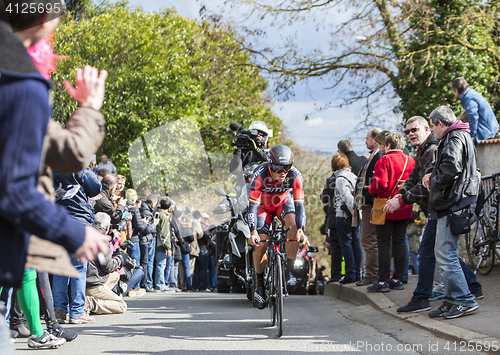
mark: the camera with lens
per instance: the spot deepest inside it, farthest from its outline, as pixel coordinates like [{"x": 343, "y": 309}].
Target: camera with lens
[
  {"x": 126, "y": 244},
  {"x": 129, "y": 263},
  {"x": 244, "y": 138},
  {"x": 120, "y": 227}
]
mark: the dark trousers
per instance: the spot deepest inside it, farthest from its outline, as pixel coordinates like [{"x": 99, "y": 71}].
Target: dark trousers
[
  {"x": 45, "y": 293},
  {"x": 201, "y": 271},
  {"x": 427, "y": 263},
  {"x": 335, "y": 254},
  {"x": 16, "y": 315},
  {"x": 395, "y": 230},
  {"x": 212, "y": 272},
  {"x": 349, "y": 243},
  {"x": 144, "y": 247}
]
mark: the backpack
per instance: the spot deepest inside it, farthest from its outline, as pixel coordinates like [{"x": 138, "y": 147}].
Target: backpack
[{"x": 161, "y": 240}]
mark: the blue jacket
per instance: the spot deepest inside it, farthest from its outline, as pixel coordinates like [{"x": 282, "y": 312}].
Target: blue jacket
[
  {"x": 24, "y": 116},
  {"x": 482, "y": 121},
  {"x": 73, "y": 191}
]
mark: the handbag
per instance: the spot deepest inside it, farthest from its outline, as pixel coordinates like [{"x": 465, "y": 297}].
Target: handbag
[
  {"x": 459, "y": 221},
  {"x": 378, "y": 214}
]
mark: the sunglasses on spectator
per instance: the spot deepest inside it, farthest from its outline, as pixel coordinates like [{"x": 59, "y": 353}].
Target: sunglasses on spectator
[
  {"x": 280, "y": 168},
  {"x": 412, "y": 130}
]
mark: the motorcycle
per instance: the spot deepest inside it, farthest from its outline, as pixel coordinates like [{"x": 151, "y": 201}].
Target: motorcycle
[
  {"x": 305, "y": 270},
  {"x": 234, "y": 256}
]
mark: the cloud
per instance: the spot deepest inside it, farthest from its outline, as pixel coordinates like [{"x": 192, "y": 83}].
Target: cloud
[
  {"x": 320, "y": 132},
  {"x": 318, "y": 121}
]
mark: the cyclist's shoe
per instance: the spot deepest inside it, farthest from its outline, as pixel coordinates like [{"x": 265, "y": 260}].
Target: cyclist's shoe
[
  {"x": 445, "y": 307},
  {"x": 291, "y": 281},
  {"x": 259, "y": 298}
]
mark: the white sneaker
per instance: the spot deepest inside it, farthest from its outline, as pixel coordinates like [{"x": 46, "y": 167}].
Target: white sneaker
[
  {"x": 47, "y": 340},
  {"x": 123, "y": 285}
]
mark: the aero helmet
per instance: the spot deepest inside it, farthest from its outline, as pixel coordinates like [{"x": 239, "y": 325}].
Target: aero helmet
[{"x": 280, "y": 158}]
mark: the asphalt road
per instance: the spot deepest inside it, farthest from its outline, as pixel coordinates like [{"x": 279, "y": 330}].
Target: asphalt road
[{"x": 210, "y": 323}]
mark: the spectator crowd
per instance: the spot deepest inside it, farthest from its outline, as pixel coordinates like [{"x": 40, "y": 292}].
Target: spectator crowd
[
  {"x": 153, "y": 247},
  {"x": 91, "y": 241},
  {"x": 407, "y": 208}
]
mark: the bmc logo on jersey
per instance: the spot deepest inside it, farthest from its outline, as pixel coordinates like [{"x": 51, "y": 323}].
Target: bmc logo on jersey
[
  {"x": 274, "y": 190},
  {"x": 258, "y": 171}
]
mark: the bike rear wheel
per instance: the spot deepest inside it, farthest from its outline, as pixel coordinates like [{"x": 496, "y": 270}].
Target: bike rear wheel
[
  {"x": 481, "y": 247},
  {"x": 278, "y": 266}
]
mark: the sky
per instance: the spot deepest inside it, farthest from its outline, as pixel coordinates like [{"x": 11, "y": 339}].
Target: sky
[{"x": 324, "y": 128}]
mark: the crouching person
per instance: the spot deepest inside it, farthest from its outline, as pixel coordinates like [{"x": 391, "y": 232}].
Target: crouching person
[{"x": 100, "y": 299}]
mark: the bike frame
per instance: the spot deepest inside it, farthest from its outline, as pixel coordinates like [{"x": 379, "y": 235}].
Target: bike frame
[
  {"x": 275, "y": 279},
  {"x": 483, "y": 239}
]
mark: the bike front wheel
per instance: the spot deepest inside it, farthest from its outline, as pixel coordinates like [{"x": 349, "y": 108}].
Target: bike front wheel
[
  {"x": 481, "y": 247},
  {"x": 278, "y": 268},
  {"x": 271, "y": 296}
]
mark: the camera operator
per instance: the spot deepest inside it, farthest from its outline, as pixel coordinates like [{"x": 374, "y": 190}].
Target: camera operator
[
  {"x": 249, "y": 146},
  {"x": 102, "y": 278}
]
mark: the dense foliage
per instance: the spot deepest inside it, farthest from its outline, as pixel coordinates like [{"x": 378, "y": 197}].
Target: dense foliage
[
  {"x": 449, "y": 39},
  {"x": 162, "y": 67}
]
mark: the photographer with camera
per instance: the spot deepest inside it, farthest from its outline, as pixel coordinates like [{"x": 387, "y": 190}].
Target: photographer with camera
[
  {"x": 147, "y": 240},
  {"x": 101, "y": 278},
  {"x": 249, "y": 145}
]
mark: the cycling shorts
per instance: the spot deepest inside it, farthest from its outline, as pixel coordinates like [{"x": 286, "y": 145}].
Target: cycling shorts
[{"x": 265, "y": 214}]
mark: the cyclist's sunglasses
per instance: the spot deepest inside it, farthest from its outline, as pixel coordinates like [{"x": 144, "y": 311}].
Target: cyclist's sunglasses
[
  {"x": 280, "y": 168},
  {"x": 412, "y": 130}
]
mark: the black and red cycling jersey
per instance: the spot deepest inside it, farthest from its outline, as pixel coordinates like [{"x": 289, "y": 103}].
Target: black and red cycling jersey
[{"x": 268, "y": 196}]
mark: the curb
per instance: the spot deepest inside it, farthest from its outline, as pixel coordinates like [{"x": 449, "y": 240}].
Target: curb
[{"x": 353, "y": 294}]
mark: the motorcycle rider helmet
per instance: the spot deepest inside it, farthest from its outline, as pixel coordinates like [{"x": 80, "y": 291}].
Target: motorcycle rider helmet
[
  {"x": 259, "y": 127},
  {"x": 280, "y": 158}
]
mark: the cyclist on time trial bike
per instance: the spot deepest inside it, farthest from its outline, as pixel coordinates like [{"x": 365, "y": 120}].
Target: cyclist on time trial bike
[{"x": 270, "y": 195}]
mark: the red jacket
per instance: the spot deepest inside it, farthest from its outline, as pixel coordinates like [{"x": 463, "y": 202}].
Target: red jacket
[{"x": 387, "y": 171}]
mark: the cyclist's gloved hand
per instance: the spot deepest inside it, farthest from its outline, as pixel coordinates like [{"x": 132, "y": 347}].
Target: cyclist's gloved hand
[
  {"x": 301, "y": 237},
  {"x": 254, "y": 238}
]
